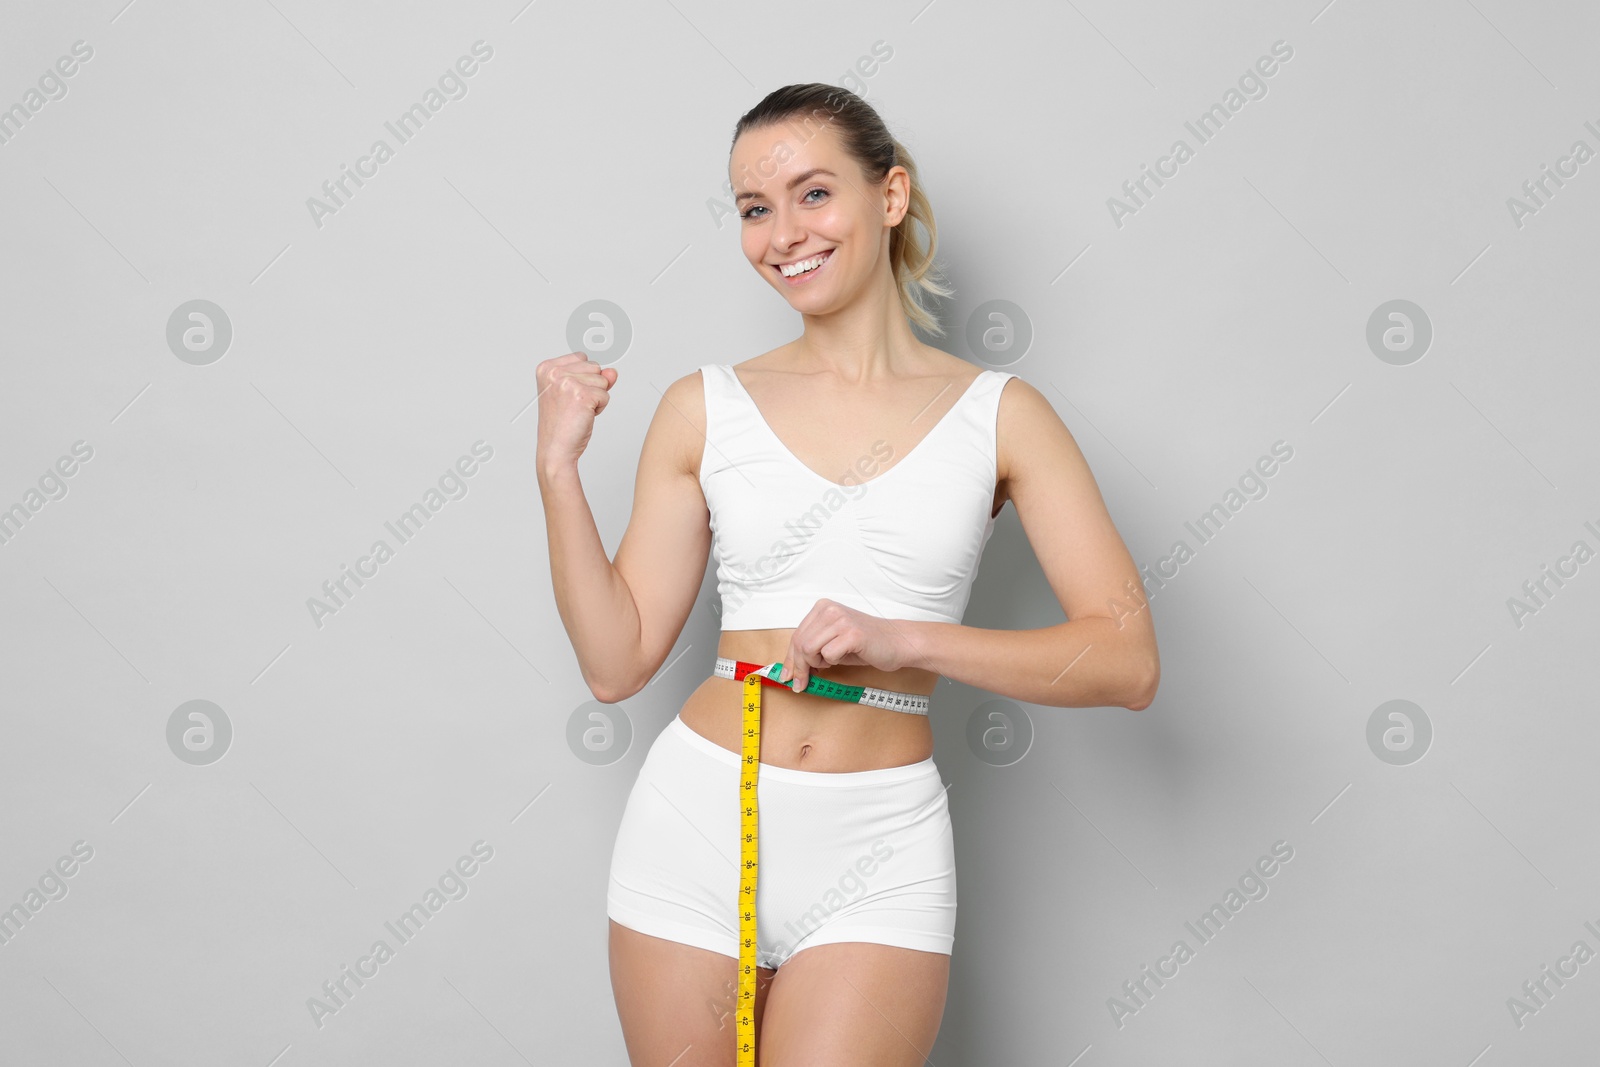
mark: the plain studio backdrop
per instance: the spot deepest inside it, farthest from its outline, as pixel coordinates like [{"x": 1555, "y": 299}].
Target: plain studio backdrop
[{"x": 1332, "y": 362}]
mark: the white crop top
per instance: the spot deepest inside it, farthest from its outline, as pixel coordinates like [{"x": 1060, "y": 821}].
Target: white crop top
[{"x": 899, "y": 543}]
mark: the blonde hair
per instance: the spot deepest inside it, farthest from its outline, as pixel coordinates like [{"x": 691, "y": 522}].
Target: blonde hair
[{"x": 867, "y": 140}]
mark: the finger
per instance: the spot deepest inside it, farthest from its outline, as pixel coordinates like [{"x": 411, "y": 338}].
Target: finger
[
  {"x": 791, "y": 658},
  {"x": 589, "y": 375},
  {"x": 805, "y": 661},
  {"x": 564, "y": 364},
  {"x": 795, "y": 674},
  {"x": 840, "y": 649}
]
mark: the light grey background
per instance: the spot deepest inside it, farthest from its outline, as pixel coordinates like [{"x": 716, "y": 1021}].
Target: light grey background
[{"x": 433, "y": 710}]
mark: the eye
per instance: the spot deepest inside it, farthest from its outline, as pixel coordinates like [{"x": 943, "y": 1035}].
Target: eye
[{"x": 750, "y": 212}]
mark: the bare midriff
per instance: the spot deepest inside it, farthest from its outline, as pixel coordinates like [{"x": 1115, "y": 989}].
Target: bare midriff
[{"x": 806, "y": 732}]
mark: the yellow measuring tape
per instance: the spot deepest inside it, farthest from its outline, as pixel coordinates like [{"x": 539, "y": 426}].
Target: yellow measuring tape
[
  {"x": 749, "y": 815},
  {"x": 749, "y": 810}
]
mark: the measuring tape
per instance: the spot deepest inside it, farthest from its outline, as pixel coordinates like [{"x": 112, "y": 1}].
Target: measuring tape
[{"x": 753, "y": 675}]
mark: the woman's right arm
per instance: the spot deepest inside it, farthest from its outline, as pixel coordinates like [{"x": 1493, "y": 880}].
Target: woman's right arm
[{"x": 622, "y": 618}]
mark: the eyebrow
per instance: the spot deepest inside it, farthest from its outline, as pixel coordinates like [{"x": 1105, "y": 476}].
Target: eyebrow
[{"x": 796, "y": 180}]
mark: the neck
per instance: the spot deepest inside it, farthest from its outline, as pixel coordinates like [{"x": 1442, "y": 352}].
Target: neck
[{"x": 867, "y": 340}]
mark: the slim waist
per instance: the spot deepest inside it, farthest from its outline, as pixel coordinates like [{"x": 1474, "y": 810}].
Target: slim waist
[{"x": 907, "y": 772}]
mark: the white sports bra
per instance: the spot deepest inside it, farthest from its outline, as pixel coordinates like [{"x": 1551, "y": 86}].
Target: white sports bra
[{"x": 899, "y": 543}]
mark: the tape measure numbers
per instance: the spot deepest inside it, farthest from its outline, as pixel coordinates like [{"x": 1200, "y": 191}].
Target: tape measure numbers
[{"x": 749, "y": 819}]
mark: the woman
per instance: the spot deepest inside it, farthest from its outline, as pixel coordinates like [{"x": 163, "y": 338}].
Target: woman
[{"x": 850, "y": 478}]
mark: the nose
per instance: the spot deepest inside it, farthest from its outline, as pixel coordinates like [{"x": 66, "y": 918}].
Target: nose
[{"x": 787, "y": 233}]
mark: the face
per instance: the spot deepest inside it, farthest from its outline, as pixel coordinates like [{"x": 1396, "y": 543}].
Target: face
[{"x": 800, "y": 195}]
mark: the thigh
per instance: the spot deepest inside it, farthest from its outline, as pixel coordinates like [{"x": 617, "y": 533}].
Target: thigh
[
  {"x": 854, "y": 1002},
  {"x": 676, "y": 1002}
]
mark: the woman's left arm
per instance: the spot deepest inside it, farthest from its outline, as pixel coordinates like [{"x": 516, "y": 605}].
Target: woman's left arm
[
  {"x": 1105, "y": 655},
  {"x": 1087, "y": 662}
]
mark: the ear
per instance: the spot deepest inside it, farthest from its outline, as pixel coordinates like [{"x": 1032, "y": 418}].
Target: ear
[{"x": 896, "y": 195}]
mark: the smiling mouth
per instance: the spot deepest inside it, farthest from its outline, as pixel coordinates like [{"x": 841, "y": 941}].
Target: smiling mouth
[{"x": 788, "y": 272}]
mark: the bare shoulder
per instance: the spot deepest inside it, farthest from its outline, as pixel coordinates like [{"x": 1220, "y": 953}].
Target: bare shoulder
[
  {"x": 1027, "y": 424},
  {"x": 681, "y": 421}
]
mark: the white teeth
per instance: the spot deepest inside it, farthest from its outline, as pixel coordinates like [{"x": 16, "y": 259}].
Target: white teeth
[{"x": 804, "y": 265}]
